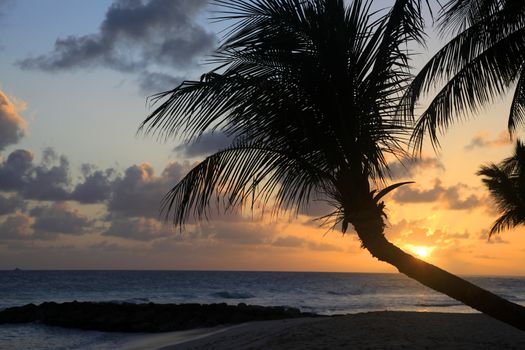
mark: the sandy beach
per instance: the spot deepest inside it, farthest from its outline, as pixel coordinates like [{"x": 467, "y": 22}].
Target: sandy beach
[{"x": 373, "y": 330}]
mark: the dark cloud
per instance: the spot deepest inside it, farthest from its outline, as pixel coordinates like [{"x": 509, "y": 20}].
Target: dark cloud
[
  {"x": 411, "y": 166},
  {"x": 289, "y": 242},
  {"x": 136, "y": 37},
  {"x": 238, "y": 230},
  {"x": 105, "y": 246},
  {"x": 12, "y": 126},
  {"x": 135, "y": 193},
  {"x": 140, "y": 229},
  {"x": 16, "y": 170},
  {"x": 139, "y": 191},
  {"x": 96, "y": 185},
  {"x": 45, "y": 181},
  {"x": 298, "y": 242},
  {"x": 207, "y": 144},
  {"x": 449, "y": 197},
  {"x": 483, "y": 140},
  {"x": 58, "y": 218},
  {"x": 10, "y": 204},
  {"x": 50, "y": 179},
  {"x": 486, "y": 257},
  {"x": 316, "y": 208},
  {"x": 494, "y": 239},
  {"x": 455, "y": 201},
  {"x": 4, "y": 6},
  {"x": 324, "y": 247},
  {"x": 408, "y": 194},
  {"x": 16, "y": 227},
  {"x": 157, "y": 82}
]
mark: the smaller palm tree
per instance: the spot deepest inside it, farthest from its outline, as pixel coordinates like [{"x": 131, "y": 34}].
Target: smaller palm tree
[{"x": 506, "y": 183}]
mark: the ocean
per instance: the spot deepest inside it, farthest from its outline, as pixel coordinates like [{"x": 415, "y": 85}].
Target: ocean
[{"x": 322, "y": 293}]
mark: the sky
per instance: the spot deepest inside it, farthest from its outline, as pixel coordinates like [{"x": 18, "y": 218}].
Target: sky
[{"x": 80, "y": 189}]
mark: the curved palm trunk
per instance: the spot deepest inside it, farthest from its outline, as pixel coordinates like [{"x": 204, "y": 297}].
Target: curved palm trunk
[{"x": 370, "y": 231}]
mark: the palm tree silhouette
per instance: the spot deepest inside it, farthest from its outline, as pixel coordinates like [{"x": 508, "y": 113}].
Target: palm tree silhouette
[
  {"x": 506, "y": 183},
  {"x": 484, "y": 61},
  {"x": 309, "y": 90}
]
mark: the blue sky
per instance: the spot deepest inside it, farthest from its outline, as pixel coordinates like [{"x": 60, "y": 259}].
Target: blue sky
[{"x": 81, "y": 109}]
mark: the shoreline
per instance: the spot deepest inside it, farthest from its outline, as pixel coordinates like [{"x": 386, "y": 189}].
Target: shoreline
[
  {"x": 167, "y": 339},
  {"x": 370, "y": 330}
]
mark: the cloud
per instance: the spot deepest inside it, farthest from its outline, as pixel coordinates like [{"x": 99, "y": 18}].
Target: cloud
[
  {"x": 16, "y": 227},
  {"x": 48, "y": 180},
  {"x": 10, "y": 204},
  {"x": 424, "y": 232},
  {"x": 494, "y": 239},
  {"x": 58, "y": 218},
  {"x": 12, "y": 125},
  {"x": 298, "y": 242},
  {"x": 482, "y": 140},
  {"x": 409, "y": 167},
  {"x": 15, "y": 170},
  {"x": 486, "y": 257},
  {"x": 138, "y": 193},
  {"x": 105, "y": 246},
  {"x": 96, "y": 186},
  {"x": 288, "y": 242},
  {"x": 135, "y": 193},
  {"x": 140, "y": 229},
  {"x": 207, "y": 144},
  {"x": 448, "y": 197},
  {"x": 4, "y": 6},
  {"x": 234, "y": 229},
  {"x": 410, "y": 195},
  {"x": 324, "y": 247},
  {"x": 157, "y": 82},
  {"x": 136, "y": 37}
]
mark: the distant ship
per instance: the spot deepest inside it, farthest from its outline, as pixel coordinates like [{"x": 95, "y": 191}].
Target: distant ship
[{"x": 17, "y": 269}]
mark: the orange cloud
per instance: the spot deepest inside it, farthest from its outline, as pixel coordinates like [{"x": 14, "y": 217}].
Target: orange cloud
[
  {"x": 12, "y": 125},
  {"x": 482, "y": 140},
  {"x": 452, "y": 197}
]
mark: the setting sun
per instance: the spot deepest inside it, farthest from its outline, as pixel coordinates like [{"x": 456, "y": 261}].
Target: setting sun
[{"x": 421, "y": 251}]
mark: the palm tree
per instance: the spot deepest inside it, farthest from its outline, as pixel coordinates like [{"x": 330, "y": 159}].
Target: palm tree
[
  {"x": 484, "y": 61},
  {"x": 506, "y": 183},
  {"x": 309, "y": 92}
]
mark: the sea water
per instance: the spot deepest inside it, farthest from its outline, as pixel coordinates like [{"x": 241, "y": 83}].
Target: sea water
[{"x": 322, "y": 293}]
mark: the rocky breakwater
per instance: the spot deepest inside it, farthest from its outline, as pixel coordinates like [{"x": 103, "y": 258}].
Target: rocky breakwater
[{"x": 112, "y": 317}]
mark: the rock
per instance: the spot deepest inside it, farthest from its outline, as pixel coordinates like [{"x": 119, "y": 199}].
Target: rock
[{"x": 149, "y": 317}]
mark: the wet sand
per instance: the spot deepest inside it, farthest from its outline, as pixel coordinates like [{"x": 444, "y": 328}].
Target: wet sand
[{"x": 373, "y": 330}]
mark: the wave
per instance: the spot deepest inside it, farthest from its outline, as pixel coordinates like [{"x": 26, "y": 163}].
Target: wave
[
  {"x": 353, "y": 292},
  {"x": 510, "y": 297},
  {"x": 438, "y": 304},
  {"x": 233, "y": 295},
  {"x": 131, "y": 301}
]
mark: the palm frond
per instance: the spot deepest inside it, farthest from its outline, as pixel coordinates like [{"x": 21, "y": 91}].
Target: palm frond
[
  {"x": 506, "y": 221},
  {"x": 241, "y": 173},
  {"x": 389, "y": 189},
  {"x": 307, "y": 79},
  {"x": 487, "y": 76},
  {"x": 517, "y": 108},
  {"x": 457, "y": 15},
  {"x": 479, "y": 64}
]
